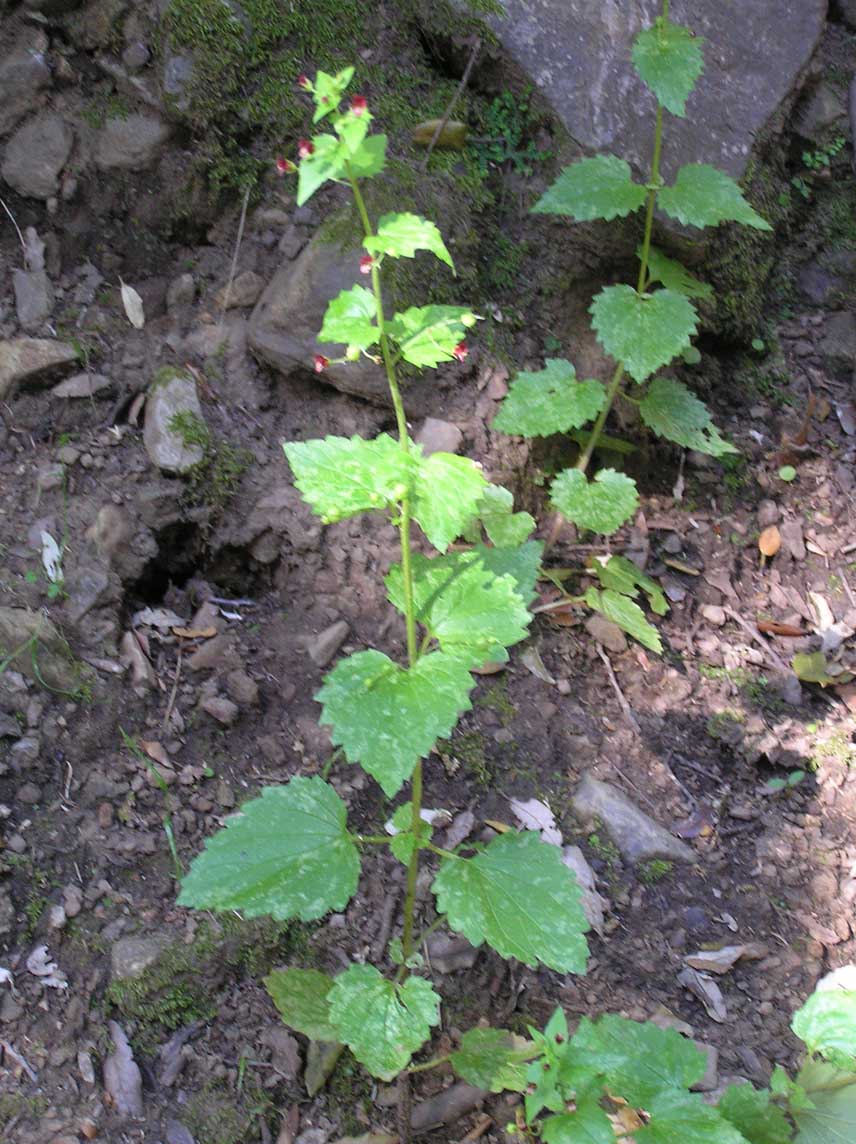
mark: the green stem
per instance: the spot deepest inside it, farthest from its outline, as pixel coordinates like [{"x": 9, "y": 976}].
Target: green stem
[
  {"x": 413, "y": 651},
  {"x": 434, "y": 1063}
]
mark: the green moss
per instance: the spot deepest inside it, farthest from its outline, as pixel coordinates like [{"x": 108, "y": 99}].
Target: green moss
[
  {"x": 16, "y": 1106},
  {"x": 191, "y": 428},
  {"x": 654, "y": 870},
  {"x": 217, "y": 1116},
  {"x": 350, "y": 1091},
  {"x": 723, "y": 725},
  {"x": 496, "y": 697},
  {"x": 467, "y": 749}
]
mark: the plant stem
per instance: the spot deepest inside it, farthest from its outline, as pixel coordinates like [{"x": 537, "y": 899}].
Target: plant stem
[
  {"x": 434, "y": 1063},
  {"x": 413, "y": 650}
]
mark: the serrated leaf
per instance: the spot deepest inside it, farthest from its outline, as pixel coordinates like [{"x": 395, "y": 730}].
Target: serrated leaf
[
  {"x": 827, "y": 1024},
  {"x": 427, "y": 335},
  {"x": 328, "y": 91},
  {"x": 677, "y": 1117},
  {"x": 327, "y": 161},
  {"x": 504, "y": 527},
  {"x": 302, "y": 998},
  {"x": 601, "y": 505},
  {"x": 446, "y": 496},
  {"x": 403, "y": 843},
  {"x": 674, "y": 276},
  {"x": 473, "y": 614},
  {"x": 519, "y": 897},
  {"x": 601, "y": 187},
  {"x": 388, "y": 717},
  {"x": 705, "y": 196},
  {"x": 381, "y": 1022},
  {"x": 642, "y": 331},
  {"x": 670, "y": 410},
  {"x": 522, "y": 564},
  {"x": 625, "y": 577},
  {"x": 350, "y": 319},
  {"x": 638, "y": 1059},
  {"x": 588, "y": 1125},
  {"x": 342, "y": 476},
  {"x": 370, "y": 159},
  {"x": 493, "y": 1059},
  {"x": 752, "y": 1113},
  {"x": 832, "y": 1094},
  {"x": 628, "y": 615},
  {"x": 669, "y": 60},
  {"x": 287, "y": 854},
  {"x": 401, "y": 235},
  {"x": 550, "y": 400}
]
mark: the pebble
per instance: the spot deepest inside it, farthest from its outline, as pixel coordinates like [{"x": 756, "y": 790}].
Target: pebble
[
  {"x": 606, "y": 633},
  {"x": 131, "y": 956},
  {"x": 714, "y": 615},
  {"x": 323, "y": 647},
  {"x": 221, "y": 709},
  {"x": 30, "y": 794},
  {"x": 436, "y": 436},
  {"x": 25, "y": 752},
  {"x": 242, "y": 688},
  {"x": 72, "y": 897},
  {"x": 768, "y": 513}
]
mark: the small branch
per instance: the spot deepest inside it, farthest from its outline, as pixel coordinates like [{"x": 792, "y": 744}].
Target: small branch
[
  {"x": 756, "y": 636},
  {"x": 171, "y": 704},
  {"x": 17, "y": 228},
  {"x": 465, "y": 78},
  {"x": 228, "y": 292},
  {"x": 619, "y": 694},
  {"x": 390, "y": 905}
]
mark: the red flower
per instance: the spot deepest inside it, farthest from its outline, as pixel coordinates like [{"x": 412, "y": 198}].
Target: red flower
[
  {"x": 305, "y": 147},
  {"x": 359, "y": 104},
  {"x": 460, "y": 351},
  {"x": 366, "y": 264},
  {"x": 284, "y": 166},
  {"x": 320, "y": 363},
  {"x": 304, "y": 81}
]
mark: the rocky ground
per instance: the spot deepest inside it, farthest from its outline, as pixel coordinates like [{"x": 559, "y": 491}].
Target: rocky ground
[{"x": 166, "y": 670}]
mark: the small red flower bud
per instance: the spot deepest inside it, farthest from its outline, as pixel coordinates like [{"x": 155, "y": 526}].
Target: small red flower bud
[
  {"x": 320, "y": 363},
  {"x": 284, "y": 166},
  {"x": 366, "y": 264},
  {"x": 460, "y": 351},
  {"x": 359, "y": 104},
  {"x": 304, "y": 81},
  {"x": 305, "y": 147}
]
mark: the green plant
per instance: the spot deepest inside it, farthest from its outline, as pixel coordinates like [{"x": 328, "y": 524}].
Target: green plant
[
  {"x": 290, "y": 853},
  {"x": 777, "y": 785},
  {"x": 814, "y": 162},
  {"x": 643, "y": 328},
  {"x": 508, "y": 125},
  {"x": 654, "y": 871}
]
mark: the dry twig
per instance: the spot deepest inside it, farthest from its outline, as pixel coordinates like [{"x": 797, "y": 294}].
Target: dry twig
[{"x": 465, "y": 78}]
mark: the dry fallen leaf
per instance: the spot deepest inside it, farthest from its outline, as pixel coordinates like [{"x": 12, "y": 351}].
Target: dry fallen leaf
[
  {"x": 707, "y": 991},
  {"x": 774, "y": 628},
  {"x": 716, "y": 960},
  {"x": 195, "y": 633},
  {"x": 155, "y": 751},
  {"x": 535, "y": 815},
  {"x": 122, "y": 1078},
  {"x": 770, "y": 541},
  {"x": 847, "y": 417},
  {"x": 48, "y": 972},
  {"x": 133, "y": 304}
]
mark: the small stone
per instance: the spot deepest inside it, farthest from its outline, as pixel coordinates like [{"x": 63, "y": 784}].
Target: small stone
[
  {"x": 768, "y": 513},
  {"x": 17, "y": 844},
  {"x": 437, "y": 436},
  {"x": 673, "y": 544},
  {"x": 181, "y": 292},
  {"x": 130, "y": 144},
  {"x": 25, "y": 752},
  {"x": 171, "y": 447},
  {"x": 131, "y": 956},
  {"x": 714, "y": 615},
  {"x": 791, "y": 532},
  {"x": 57, "y": 917},
  {"x": 85, "y": 1067},
  {"x": 82, "y": 385},
  {"x": 104, "y": 815},
  {"x": 72, "y": 897},
  {"x": 838, "y": 345},
  {"x": 136, "y": 56},
  {"x": 272, "y": 749},
  {"x": 637, "y": 836},
  {"x": 711, "y": 1073},
  {"x": 30, "y": 794},
  {"x": 225, "y": 795},
  {"x": 176, "y": 1133},
  {"x": 695, "y": 918},
  {"x": 36, "y": 154},
  {"x": 292, "y": 242},
  {"x": 31, "y": 361},
  {"x": 244, "y": 290},
  {"x": 34, "y": 298},
  {"x": 324, "y": 646},
  {"x": 242, "y": 688},
  {"x": 606, "y": 633},
  {"x": 221, "y": 709}
]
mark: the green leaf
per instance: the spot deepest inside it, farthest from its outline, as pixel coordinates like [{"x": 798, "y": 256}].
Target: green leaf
[
  {"x": 704, "y": 196},
  {"x": 370, "y": 159},
  {"x": 403, "y": 843},
  {"x": 401, "y": 235},
  {"x": 827, "y": 1024},
  {"x": 523, "y": 564},
  {"x": 678, "y": 1117},
  {"x": 302, "y": 998},
  {"x": 388, "y": 717},
  {"x": 588, "y": 1125},
  {"x": 427, "y": 335},
  {"x": 605, "y": 443},
  {"x": 287, "y": 854},
  {"x": 473, "y": 614},
  {"x": 752, "y": 1113},
  {"x": 669, "y": 60},
  {"x": 342, "y": 476},
  {"x": 787, "y": 473},
  {"x": 601, "y": 505},
  {"x": 382, "y": 1023},
  {"x": 670, "y": 410},
  {"x": 519, "y": 897},
  {"x": 642, "y": 331},
  {"x": 811, "y": 667},
  {"x": 493, "y": 1059},
  {"x": 637, "y": 1059},
  {"x": 328, "y": 91},
  {"x": 550, "y": 400},
  {"x": 350, "y": 319},
  {"x": 623, "y": 576},
  {"x": 601, "y": 187},
  {"x": 446, "y": 496},
  {"x": 505, "y": 528},
  {"x": 327, "y": 161},
  {"x": 674, "y": 276},
  {"x": 628, "y": 615},
  {"x": 831, "y": 1119},
  {"x": 352, "y": 130}
]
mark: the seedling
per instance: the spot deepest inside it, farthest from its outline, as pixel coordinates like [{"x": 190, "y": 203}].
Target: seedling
[
  {"x": 777, "y": 785},
  {"x": 642, "y": 328}
]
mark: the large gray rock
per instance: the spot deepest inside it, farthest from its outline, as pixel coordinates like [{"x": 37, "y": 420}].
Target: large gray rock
[
  {"x": 36, "y": 154},
  {"x": 635, "y": 834},
  {"x": 24, "y": 76},
  {"x": 34, "y": 298},
  {"x": 26, "y": 361},
  {"x": 578, "y": 55},
  {"x": 130, "y": 144},
  {"x": 285, "y": 323},
  {"x": 173, "y": 447}
]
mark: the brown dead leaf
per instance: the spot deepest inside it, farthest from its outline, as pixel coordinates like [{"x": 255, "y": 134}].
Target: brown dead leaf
[
  {"x": 774, "y": 628},
  {"x": 499, "y": 827},
  {"x": 770, "y": 541},
  {"x": 195, "y": 633},
  {"x": 155, "y": 751},
  {"x": 822, "y": 409},
  {"x": 681, "y": 566},
  {"x": 453, "y": 135},
  {"x": 700, "y": 823}
]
